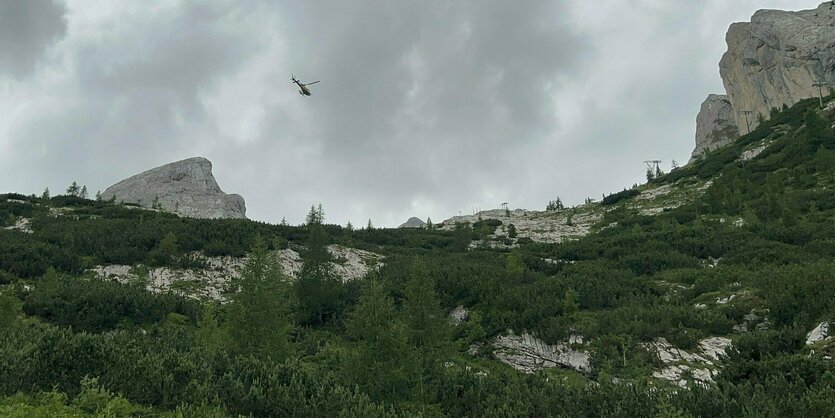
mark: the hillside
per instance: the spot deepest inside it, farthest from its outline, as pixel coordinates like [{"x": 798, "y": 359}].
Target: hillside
[{"x": 111, "y": 306}]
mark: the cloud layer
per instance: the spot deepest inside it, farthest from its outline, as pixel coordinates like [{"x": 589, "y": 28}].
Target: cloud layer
[{"x": 424, "y": 109}]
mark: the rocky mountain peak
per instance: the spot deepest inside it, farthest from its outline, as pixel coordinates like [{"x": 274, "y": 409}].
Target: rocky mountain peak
[
  {"x": 413, "y": 222},
  {"x": 185, "y": 187},
  {"x": 771, "y": 61}
]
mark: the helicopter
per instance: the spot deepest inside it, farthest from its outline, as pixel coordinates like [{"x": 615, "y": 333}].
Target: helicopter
[{"x": 303, "y": 90}]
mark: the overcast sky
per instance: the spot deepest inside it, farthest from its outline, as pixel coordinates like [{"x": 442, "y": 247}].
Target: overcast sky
[{"x": 424, "y": 108}]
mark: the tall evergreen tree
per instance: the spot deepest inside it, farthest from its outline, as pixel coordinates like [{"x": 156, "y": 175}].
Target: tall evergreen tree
[
  {"x": 319, "y": 291},
  {"x": 73, "y": 189},
  {"x": 379, "y": 363},
  {"x": 428, "y": 330},
  {"x": 260, "y": 310}
]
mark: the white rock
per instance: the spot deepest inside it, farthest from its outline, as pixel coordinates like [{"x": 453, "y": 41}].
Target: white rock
[
  {"x": 22, "y": 225},
  {"x": 774, "y": 60},
  {"x": 713, "y": 347},
  {"x": 529, "y": 354},
  {"x": 185, "y": 187},
  {"x": 752, "y": 153},
  {"x": 676, "y": 374},
  {"x": 459, "y": 315},
  {"x": 715, "y": 125},
  {"x": 213, "y": 281},
  {"x": 725, "y": 300},
  {"x": 669, "y": 354},
  {"x": 820, "y": 333},
  {"x": 544, "y": 226}
]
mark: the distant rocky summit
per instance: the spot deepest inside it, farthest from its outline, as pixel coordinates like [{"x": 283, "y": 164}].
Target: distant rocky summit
[
  {"x": 413, "y": 222},
  {"x": 771, "y": 61},
  {"x": 185, "y": 187}
]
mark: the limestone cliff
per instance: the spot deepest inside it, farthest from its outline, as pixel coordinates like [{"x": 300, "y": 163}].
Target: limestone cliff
[
  {"x": 185, "y": 187},
  {"x": 771, "y": 61},
  {"x": 715, "y": 125},
  {"x": 775, "y": 58}
]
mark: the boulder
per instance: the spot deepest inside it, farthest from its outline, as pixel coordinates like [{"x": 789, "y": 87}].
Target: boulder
[
  {"x": 185, "y": 187},
  {"x": 459, "y": 315},
  {"x": 820, "y": 333},
  {"x": 774, "y": 59}
]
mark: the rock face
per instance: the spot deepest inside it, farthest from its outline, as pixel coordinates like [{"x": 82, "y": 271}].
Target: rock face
[
  {"x": 715, "y": 125},
  {"x": 820, "y": 333},
  {"x": 459, "y": 315},
  {"x": 413, "y": 222},
  {"x": 185, "y": 187},
  {"x": 699, "y": 365},
  {"x": 775, "y": 58},
  {"x": 529, "y": 354},
  {"x": 214, "y": 280}
]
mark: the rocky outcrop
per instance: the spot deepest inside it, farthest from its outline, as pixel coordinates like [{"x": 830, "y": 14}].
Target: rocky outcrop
[
  {"x": 820, "y": 333},
  {"x": 774, "y": 59},
  {"x": 529, "y": 354},
  {"x": 213, "y": 281},
  {"x": 681, "y": 367},
  {"x": 185, "y": 187},
  {"x": 547, "y": 226},
  {"x": 22, "y": 225},
  {"x": 413, "y": 222},
  {"x": 459, "y": 315},
  {"x": 715, "y": 125}
]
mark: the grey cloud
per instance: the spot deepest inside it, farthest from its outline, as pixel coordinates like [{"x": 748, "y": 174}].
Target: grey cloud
[
  {"x": 428, "y": 98},
  {"x": 27, "y": 28},
  {"x": 135, "y": 95},
  {"x": 424, "y": 108}
]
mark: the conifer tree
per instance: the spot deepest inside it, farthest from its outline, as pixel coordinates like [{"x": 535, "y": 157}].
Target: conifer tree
[
  {"x": 73, "y": 189},
  {"x": 319, "y": 291},
  {"x": 260, "y": 312},
  {"x": 45, "y": 194},
  {"x": 380, "y": 360},
  {"x": 428, "y": 330}
]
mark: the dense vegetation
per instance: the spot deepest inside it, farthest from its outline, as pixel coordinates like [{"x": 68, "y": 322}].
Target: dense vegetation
[{"x": 383, "y": 346}]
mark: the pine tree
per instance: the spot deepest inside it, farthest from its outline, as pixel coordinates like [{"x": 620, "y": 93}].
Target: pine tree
[
  {"x": 98, "y": 196},
  {"x": 45, "y": 194},
  {"x": 73, "y": 189},
  {"x": 511, "y": 231},
  {"x": 370, "y": 226},
  {"x": 429, "y": 224},
  {"x": 83, "y": 193},
  {"x": 379, "y": 363},
  {"x": 428, "y": 330},
  {"x": 319, "y": 291},
  {"x": 260, "y": 310},
  {"x": 165, "y": 252},
  {"x": 9, "y": 309}
]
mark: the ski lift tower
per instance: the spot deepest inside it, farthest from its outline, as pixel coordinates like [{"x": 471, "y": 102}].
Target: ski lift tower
[{"x": 820, "y": 85}]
